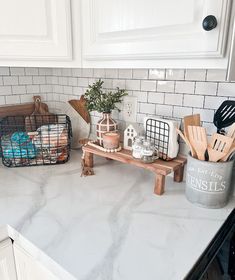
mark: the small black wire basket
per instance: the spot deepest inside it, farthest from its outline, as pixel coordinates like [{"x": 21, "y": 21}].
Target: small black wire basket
[
  {"x": 35, "y": 140},
  {"x": 158, "y": 132}
]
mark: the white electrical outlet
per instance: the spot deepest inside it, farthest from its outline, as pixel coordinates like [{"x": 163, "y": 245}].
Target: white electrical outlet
[{"x": 129, "y": 108}]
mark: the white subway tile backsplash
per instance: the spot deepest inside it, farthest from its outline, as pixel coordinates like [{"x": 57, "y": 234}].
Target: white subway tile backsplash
[
  {"x": 17, "y": 71},
  {"x": 216, "y": 75},
  {"x": 87, "y": 73},
  {"x": 165, "y": 86},
  {"x": 185, "y": 87},
  {"x": 213, "y": 102},
  {"x": 226, "y": 89},
  {"x": 164, "y": 110},
  {"x": 83, "y": 82},
  {"x": 63, "y": 81},
  {"x": 4, "y": 71},
  {"x": 210, "y": 127},
  {"x": 146, "y": 108},
  {"x": 175, "y": 74},
  {"x": 142, "y": 96},
  {"x": 125, "y": 73},
  {"x": 132, "y": 84},
  {"x": 45, "y": 88},
  {"x": 195, "y": 101},
  {"x": 5, "y": 90},
  {"x": 206, "y": 114},
  {"x": 19, "y": 89},
  {"x": 78, "y": 91},
  {"x": 67, "y": 90},
  {"x": 99, "y": 73},
  {"x": 180, "y": 112},
  {"x": 54, "y": 80},
  {"x": 38, "y": 80},
  {"x": 77, "y": 72},
  {"x": 25, "y": 80},
  {"x": 169, "y": 93},
  {"x": 46, "y": 71},
  {"x": 206, "y": 88},
  {"x": 108, "y": 84},
  {"x": 148, "y": 85},
  {"x": 140, "y": 74},
  {"x": 173, "y": 99},
  {"x": 195, "y": 74},
  {"x": 111, "y": 73},
  {"x": 67, "y": 72},
  {"x": 2, "y": 100},
  {"x": 119, "y": 83},
  {"x": 56, "y": 72},
  {"x": 140, "y": 118},
  {"x": 31, "y": 71},
  {"x": 10, "y": 80},
  {"x": 157, "y": 74},
  {"x": 73, "y": 81},
  {"x": 32, "y": 88},
  {"x": 12, "y": 99},
  {"x": 58, "y": 89},
  {"x": 156, "y": 97}
]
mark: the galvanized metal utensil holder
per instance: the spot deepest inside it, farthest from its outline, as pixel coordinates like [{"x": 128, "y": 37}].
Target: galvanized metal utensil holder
[{"x": 208, "y": 184}]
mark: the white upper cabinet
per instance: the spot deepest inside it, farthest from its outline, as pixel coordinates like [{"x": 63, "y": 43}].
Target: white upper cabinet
[
  {"x": 7, "y": 262},
  {"x": 35, "y": 31},
  {"x": 137, "y": 33}
]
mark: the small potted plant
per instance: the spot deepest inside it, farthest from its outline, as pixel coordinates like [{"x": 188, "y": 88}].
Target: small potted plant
[{"x": 105, "y": 103}]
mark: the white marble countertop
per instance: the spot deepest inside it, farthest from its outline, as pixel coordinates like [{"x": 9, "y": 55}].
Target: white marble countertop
[{"x": 109, "y": 226}]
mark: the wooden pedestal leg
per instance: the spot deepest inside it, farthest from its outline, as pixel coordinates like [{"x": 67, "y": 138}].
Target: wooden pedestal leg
[
  {"x": 179, "y": 174},
  {"x": 159, "y": 184},
  {"x": 88, "y": 160}
]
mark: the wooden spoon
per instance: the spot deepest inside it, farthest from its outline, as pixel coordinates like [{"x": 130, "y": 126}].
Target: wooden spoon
[
  {"x": 198, "y": 140},
  {"x": 219, "y": 147},
  {"x": 193, "y": 153}
]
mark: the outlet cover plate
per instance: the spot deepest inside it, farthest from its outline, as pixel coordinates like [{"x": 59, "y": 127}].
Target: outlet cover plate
[{"x": 130, "y": 108}]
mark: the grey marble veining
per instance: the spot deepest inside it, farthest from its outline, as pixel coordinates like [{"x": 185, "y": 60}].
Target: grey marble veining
[{"x": 109, "y": 226}]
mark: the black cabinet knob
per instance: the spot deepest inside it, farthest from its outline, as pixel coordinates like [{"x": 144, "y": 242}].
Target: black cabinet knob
[{"x": 209, "y": 23}]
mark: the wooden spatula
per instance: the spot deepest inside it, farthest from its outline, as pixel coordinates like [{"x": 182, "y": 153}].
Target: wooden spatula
[
  {"x": 198, "y": 140},
  {"x": 192, "y": 120},
  {"x": 193, "y": 153},
  {"x": 219, "y": 147}
]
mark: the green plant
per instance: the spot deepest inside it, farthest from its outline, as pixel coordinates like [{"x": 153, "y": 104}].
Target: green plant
[{"x": 103, "y": 102}]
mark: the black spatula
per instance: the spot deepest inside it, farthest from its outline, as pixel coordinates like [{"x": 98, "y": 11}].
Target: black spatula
[{"x": 225, "y": 115}]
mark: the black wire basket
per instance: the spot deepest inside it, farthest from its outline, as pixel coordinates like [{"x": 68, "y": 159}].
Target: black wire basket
[
  {"x": 35, "y": 140},
  {"x": 158, "y": 132}
]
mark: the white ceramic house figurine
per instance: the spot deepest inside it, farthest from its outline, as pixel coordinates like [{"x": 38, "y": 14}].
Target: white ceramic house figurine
[{"x": 129, "y": 134}]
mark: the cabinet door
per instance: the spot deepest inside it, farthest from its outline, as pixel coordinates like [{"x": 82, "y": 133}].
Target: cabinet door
[
  {"x": 30, "y": 269},
  {"x": 35, "y": 30},
  {"x": 153, "y": 29},
  {"x": 7, "y": 262}
]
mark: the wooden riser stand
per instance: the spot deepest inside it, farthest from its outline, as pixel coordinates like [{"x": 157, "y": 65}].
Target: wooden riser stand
[{"x": 160, "y": 168}]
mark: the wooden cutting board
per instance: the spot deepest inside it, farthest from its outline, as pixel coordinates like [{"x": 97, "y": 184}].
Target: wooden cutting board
[
  {"x": 80, "y": 107},
  {"x": 20, "y": 110}
]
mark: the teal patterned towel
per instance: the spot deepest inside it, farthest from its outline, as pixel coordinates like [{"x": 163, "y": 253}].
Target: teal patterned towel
[{"x": 18, "y": 145}]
